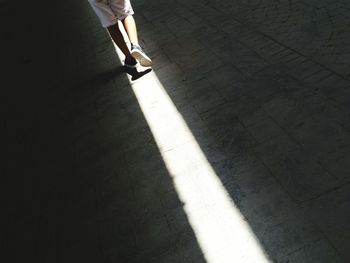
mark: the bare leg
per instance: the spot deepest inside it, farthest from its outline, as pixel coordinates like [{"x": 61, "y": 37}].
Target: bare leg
[
  {"x": 136, "y": 51},
  {"x": 119, "y": 40},
  {"x": 130, "y": 28}
]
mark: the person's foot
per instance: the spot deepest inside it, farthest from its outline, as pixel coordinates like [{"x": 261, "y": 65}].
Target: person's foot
[
  {"x": 140, "y": 56},
  {"x": 130, "y": 63}
]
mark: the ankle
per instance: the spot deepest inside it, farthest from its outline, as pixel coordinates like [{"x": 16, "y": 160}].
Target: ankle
[
  {"x": 134, "y": 44},
  {"x": 129, "y": 58}
]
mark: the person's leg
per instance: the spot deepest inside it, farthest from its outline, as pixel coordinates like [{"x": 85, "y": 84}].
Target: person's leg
[
  {"x": 136, "y": 51},
  {"x": 107, "y": 13},
  {"x": 130, "y": 28},
  {"x": 118, "y": 39}
]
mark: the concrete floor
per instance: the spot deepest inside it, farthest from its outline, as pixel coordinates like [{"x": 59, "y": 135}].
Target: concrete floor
[{"x": 263, "y": 87}]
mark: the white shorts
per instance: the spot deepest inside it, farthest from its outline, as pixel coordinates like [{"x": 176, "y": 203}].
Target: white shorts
[{"x": 110, "y": 11}]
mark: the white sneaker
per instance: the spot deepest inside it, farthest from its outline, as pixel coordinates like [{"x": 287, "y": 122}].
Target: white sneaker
[
  {"x": 130, "y": 63},
  {"x": 140, "y": 56}
]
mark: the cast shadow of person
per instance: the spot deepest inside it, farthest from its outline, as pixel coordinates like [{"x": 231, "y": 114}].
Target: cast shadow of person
[
  {"x": 136, "y": 73},
  {"x": 108, "y": 75}
]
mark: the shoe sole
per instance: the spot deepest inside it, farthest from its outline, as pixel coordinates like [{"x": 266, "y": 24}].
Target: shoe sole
[{"x": 142, "y": 58}]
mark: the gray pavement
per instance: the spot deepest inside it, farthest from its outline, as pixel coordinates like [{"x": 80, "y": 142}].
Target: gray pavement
[{"x": 263, "y": 86}]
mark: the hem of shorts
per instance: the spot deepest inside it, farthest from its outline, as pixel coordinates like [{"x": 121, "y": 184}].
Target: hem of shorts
[
  {"x": 112, "y": 23},
  {"x": 125, "y": 16}
]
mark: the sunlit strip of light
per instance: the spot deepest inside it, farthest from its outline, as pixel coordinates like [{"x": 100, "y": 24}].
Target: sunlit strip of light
[{"x": 221, "y": 231}]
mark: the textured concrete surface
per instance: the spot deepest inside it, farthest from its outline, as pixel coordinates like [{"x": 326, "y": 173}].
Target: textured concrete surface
[{"x": 262, "y": 85}]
